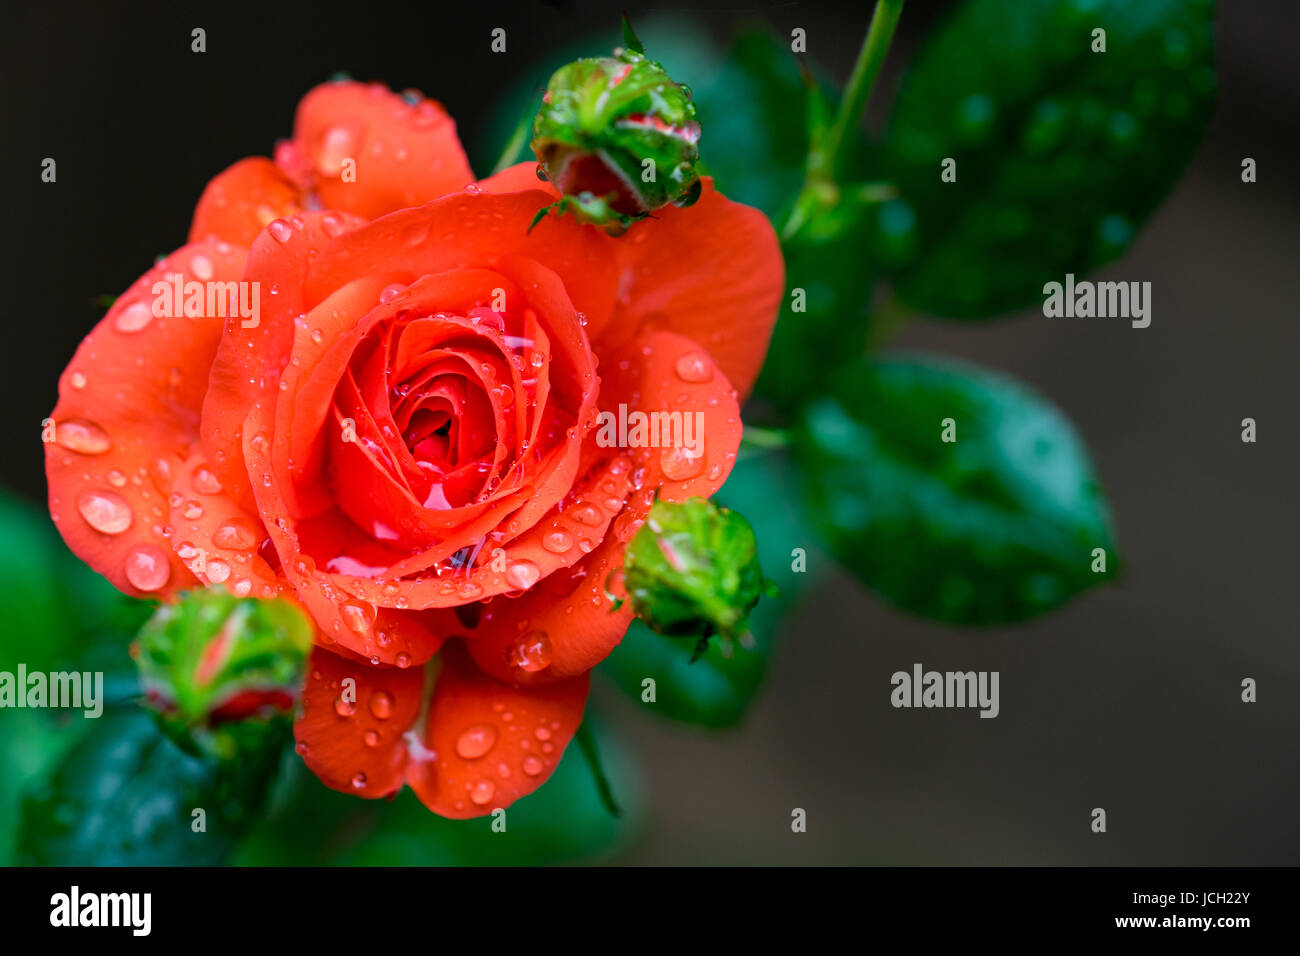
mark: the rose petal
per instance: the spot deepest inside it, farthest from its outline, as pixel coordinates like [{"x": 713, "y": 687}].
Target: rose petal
[
  {"x": 240, "y": 201},
  {"x": 713, "y": 272},
  {"x": 127, "y": 414},
  {"x": 402, "y": 153},
  {"x": 486, "y": 743},
  {"x": 350, "y": 730}
]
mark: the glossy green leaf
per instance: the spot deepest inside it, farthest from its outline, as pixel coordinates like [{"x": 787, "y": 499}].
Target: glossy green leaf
[
  {"x": 1061, "y": 152},
  {"x": 998, "y": 525},
  {"x": 125, "y": 795}
]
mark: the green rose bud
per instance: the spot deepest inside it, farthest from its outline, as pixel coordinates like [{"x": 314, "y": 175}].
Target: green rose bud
[
  {"x": 618, "y": 138},
  {"x": 222, "y": 674},
  {"x": 692, "y": 570}
]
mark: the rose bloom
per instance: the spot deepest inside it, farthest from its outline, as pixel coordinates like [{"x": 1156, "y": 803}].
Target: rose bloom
[{"x": 402, "y": 436}]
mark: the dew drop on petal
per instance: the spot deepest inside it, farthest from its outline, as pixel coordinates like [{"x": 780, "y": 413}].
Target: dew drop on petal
[
  {"x": 105, "y": 511},
  {"x": 532, "y": 765},
  {"x": 205, "y": 482},
  {"x": 280, "y": 230},
  {"x": 694, "y": 367},
  {"x": 82, "y": 436},
  {"x": 237, "y": 534},
  {"x": 679, "y": 464},
  {"x": 381, "y": 705},
  {"x": 522, "y": 575},
  {"x": 557, "y": 542},
  {"x": 476, "y": 741},
  {"x": 483, "y": 792},
  {"x": 134, "y": 317},
  {"x": 218, "y": 571},
  {"x": 147, "y": 567},
  {"x": 531, "y": 652}
]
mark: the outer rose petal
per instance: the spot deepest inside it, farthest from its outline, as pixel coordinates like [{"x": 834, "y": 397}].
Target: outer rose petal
[
  {"x": 713, "y": 272},
  {"x": 405, "y": 153},
  {"x": 570, "y": 610},
  {"x": 127, "y": 413},
  {"x": 357, "y": 746},
  {"x": 488, "y": 744},
  {"x": 239, "y": 202}
]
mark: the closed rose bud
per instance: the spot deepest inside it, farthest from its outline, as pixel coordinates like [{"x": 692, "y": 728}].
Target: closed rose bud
[
  {"x": 220, "y": 671},
  {"x": 692, "y": 570},
  {"x": 618, "y": 137}
]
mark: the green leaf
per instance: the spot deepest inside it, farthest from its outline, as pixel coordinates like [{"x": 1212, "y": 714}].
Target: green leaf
[
  {"x": 1061, "y": 153},
  {"x": 753, "y": 121},
  {"x": 60, "y": 616},
  {"x": 996, "y": 526},
  {"x": 125, "y": 795},
  {"x": 716, "y": 690},
  {"x": 828, "y": 278},
  {"x": 756, "y": 114},
  {"x": 563, "y": 821}
]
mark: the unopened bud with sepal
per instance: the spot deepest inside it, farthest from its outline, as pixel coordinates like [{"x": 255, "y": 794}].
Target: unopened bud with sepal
[
  {"x": 618, "y": 138},
  {"x": 692, "y": 570},
  {"x": 221, "y": 673}
]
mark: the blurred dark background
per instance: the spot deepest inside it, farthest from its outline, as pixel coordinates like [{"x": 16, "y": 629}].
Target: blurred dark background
[{"x": 1128, "y": 698}]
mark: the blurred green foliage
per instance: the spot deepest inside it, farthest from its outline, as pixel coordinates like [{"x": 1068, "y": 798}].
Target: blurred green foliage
[
  {"x": 1061, "y": 152},
  {"x": 994, "y": 525}
]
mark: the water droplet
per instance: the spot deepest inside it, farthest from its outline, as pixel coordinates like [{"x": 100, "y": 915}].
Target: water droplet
[
  {"x": 337, "y": 145},
  {"x": 557, "y": 542},
  {"x": 532, "y": 765},
  {"x": 522, "y": 575},
  {"x": 531, "y": 653},
  {"x": 134, "y": 317},
  {"x": 344, "y": 708},
  {"x": 201, "y": 266},
  {"x": 280, "y": 230},
  {"x": 147, "y": 567},
  {"x": 205, "y": 482},
  {"x": 542, "y": 733},
  {"x": 679, "y": 463},
  {"x": 218, "y": 571},
  {"x": 586, "y": 514},
  {"x": 483, "y": 792},
  {"x": 105, "y": 511},
  {"x": 237, "y": 534},
  {"x": 381, "y": 705},
  {"x": 81, "y": 436},
  {"x": 357, "y": 616},
  {"x": 694, "y": 367},
  {"x": 476, "y": 741},
  {"x": 358, "y": 781},
  {"x": 77, "y": 380}
]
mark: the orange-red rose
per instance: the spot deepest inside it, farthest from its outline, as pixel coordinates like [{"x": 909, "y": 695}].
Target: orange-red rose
[{"x": 404, "y": 442}]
